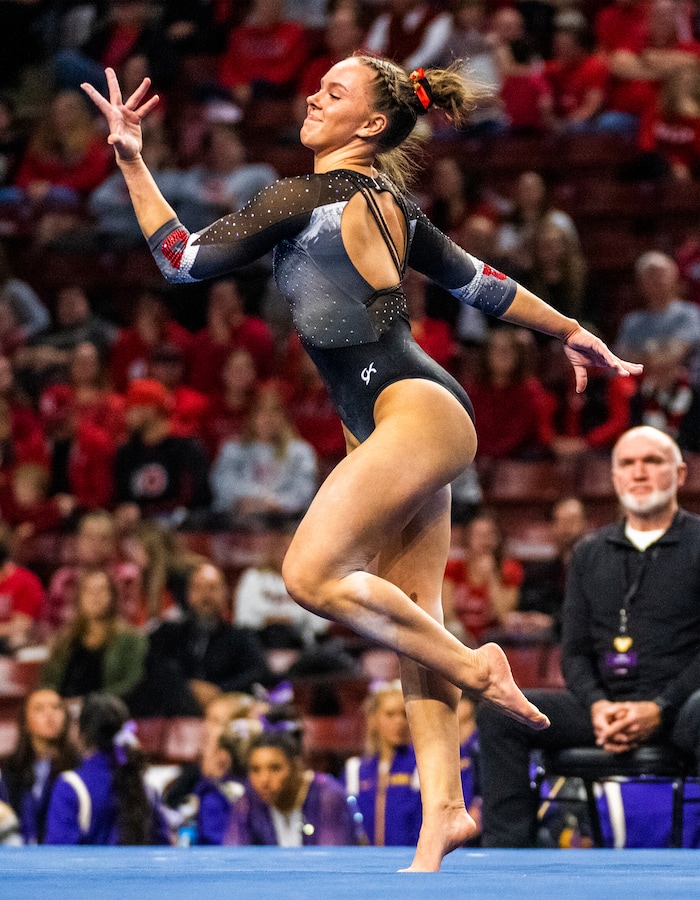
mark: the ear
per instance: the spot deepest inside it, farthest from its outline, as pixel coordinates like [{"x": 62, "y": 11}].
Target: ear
[{"x": 373, "y": 126}]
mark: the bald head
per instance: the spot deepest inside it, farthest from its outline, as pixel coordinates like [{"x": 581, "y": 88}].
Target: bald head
[{"x": 647, "y": 470}]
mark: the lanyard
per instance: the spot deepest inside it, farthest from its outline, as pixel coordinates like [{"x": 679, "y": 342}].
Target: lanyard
[{"x": 633, "y": 589}]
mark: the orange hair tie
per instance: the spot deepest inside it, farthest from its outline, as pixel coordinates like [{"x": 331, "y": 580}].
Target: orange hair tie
[{"x": 421, "y": 87}]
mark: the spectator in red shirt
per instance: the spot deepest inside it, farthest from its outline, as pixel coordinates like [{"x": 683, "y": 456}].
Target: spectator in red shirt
[
  {"x": 512, "y": 407},
  {"x": 481, "y": 586},
  {"x": 622, "y": 24},
  {"x": 595, "y": 419},
  {"x": 67, "y": 156},
  {"x": 151, "y": 326},
  {"x": 190, "y": 408},
  {"x": 637, "y": 71},
  {"x": 94, "y": 402},
  {"x": 230, "y": 407},
  {"x": 80, "y": 453},
  {"x": 264, "y": 55},
  {"x": 21, "y": 434},
  {"x": 670, "y": 126},
  {"x": 525, "y": 92},
  {"x": 25, "y": 506},
  {"x": 575, "y": 74},
  {"x": 21, "y": 599},
  {"x": 228, "y": 328}
]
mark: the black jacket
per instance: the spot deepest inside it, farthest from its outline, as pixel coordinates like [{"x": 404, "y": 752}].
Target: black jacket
[
  {"x": 231, "y": 658},
  {"x": 664, "y": 615}
]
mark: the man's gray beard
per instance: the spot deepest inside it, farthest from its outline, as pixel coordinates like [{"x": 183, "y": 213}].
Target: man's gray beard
[{"x": 650, "y": 504}]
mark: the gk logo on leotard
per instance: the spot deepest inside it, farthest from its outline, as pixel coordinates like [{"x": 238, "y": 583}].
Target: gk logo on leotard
[{"x": 367, "y": 373}]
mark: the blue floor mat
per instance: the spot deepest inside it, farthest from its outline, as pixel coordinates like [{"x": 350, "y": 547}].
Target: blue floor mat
[{"x": 344, "y": 873}]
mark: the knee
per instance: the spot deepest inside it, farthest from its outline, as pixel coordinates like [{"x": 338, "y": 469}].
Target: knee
[{"x": 302, "y": 581}]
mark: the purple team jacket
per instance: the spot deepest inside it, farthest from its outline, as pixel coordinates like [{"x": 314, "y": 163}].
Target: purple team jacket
[
  {"x": 62, "y": 824},
  {"x": 325, "y": 811}
]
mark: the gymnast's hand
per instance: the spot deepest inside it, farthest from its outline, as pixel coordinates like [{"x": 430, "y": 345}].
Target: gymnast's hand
[
  {"x": 584, "y": 349},
  {"x": 124, "y": 119}
]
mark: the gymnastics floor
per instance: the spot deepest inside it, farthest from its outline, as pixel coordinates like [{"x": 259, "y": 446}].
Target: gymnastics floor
[{"x": 345, "y": 873}]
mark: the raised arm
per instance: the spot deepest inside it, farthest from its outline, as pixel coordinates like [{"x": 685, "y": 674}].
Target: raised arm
[{"x": 124, "y": 120}]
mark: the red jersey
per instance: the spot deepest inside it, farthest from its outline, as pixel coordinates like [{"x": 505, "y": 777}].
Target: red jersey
[
  {"x": 522, "y": 97},
  {"x": 273, "y": 54},
  {"x": 82, "y": 175},
  {"x": 571, "y": 83},
  {"x": 129, "y": 356},
  {"x": 20, "y": 592},
  {"x": 622, "y": 27},
  {"x": 207, "y": 357},
  {"x": 472, "y": 604},
  {"x": 676, "y": 138}
]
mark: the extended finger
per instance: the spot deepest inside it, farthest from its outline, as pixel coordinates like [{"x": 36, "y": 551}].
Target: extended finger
[
  {"x": 581, "y": 378},
  {"x": 149, "y": 105},
  {"x": 138, "y": 94},
  {"x": 102, "y": 103},
  {"x": 115, "y": 93}
]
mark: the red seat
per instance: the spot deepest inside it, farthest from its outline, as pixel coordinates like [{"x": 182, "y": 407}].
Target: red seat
[
  {"x": 151, "y": 735},
  {"x": 9, "y": 735},
  {"x": 183, "y": 739},
  {"x": 380, "y": 664},
  {"x": 339, "y": 734}
]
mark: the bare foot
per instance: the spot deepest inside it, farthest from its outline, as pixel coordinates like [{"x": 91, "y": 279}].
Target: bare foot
[
  {"x": 440, "y": 834},
  {"x": 502, "y": 692}
]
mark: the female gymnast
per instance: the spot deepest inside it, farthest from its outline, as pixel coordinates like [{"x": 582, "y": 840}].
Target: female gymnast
[{"x": 342, "y": 239}]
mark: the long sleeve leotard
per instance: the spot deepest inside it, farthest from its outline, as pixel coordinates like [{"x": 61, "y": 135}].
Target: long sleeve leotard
[{"x": 359, "y": 337}]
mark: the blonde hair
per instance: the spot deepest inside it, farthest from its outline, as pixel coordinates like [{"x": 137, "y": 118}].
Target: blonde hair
[
  {"x": 378, "y": 694},
  {"x": 394, "y": 95}
]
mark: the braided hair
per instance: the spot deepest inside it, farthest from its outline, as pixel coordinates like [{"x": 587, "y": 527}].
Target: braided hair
[{"x": 402, "y": 99}]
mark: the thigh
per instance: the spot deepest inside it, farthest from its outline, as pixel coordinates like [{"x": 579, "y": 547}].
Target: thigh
[{"x": 423, "y": 438}]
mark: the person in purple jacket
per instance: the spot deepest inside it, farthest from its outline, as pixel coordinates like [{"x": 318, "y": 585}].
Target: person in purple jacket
[
  {"x": 385, "y": 780},
  {"x": 286, "y": 806},
  {"x": 104, "y": 801},
  {"x": 44, "y": 749}
]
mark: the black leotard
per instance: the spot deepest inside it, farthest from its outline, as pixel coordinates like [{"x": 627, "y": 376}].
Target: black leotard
[{"x": 359, "y": 337}]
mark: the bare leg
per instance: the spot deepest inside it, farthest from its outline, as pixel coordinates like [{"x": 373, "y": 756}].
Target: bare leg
[
  {"x": 416, "y": 563},
  {"x": 422, "y": 440}
]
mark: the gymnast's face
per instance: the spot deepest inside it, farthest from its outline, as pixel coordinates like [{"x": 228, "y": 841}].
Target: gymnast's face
[
  {"x": 340, "y": 112},
  {"x": 273, "y": 777}
]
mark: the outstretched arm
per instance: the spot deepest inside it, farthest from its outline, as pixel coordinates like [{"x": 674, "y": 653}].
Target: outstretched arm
[
  {"x": 477, "y": 284},
  {"x": 582, "y": 348},
  {"x": 124, "y": 120}
]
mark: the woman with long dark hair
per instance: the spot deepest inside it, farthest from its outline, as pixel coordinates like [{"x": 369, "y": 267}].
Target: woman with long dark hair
[
  {"x": 44, "y": 750},
  {"x": 343, "y": 238},
  {"x": 98, "y": 651},
  {"x": 104, "y": 801}
]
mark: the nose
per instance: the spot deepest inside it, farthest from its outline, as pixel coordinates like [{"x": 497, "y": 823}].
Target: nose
[
  {"x": 639, "y": 470},
  {"x": 311, "y": 99}
]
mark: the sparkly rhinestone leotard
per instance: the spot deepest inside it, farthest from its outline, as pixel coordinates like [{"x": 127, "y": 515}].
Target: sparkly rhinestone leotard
[{"x": 359, "y": 337}]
